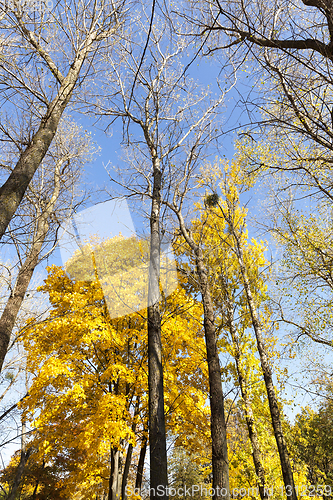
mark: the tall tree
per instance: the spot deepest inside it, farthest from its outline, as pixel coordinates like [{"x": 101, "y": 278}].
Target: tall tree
[
  {"x": 229, "y": 211},
  {"x": 228, "y": 298},
  {"x": 90, "y": 382},
  {"x": 45, "y": 57},
  {"x": 220, "y": 464},
  {"x": 49, "y": 201},
  {"x": 170, "y": 121}
]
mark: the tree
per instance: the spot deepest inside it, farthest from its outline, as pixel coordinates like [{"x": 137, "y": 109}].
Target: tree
[
  {"x": 218, "y": 424},
  {"x": 300, "y": 224},
  {"x": 228, "y": 298},
  {"x": 187, "y": 473},
  {"x": 45, "y": 57},
  {"x": 291, "y": 103},
  {"x": 90, "y": 385},
  {"x": 171, "y": 126},
  {"x": 40, "y": 480},
  {"x": 234, "y": 315},
  {"x": 312, "y": 446},
  {"x": 229, "y": 211},
  {"x": 285, "y": 39},
  {"x": 49, "y": 201},
  {"x": 307, "y": 259},
  {"x": 221, "y": 229}
]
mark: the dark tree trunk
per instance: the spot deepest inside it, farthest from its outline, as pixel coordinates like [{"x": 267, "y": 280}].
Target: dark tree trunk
[
  {"x": 220, "y": 464},
  {"x": 25, "y": 454},
  {"x": 19, "y": 473},
  {"x": 287, "y": 472},
  {"x": 10, "y": 312},
  {"x": 157, "y": 434},
  {"x": 129, "y": 453},
  {"x": 141, "y": 463}
]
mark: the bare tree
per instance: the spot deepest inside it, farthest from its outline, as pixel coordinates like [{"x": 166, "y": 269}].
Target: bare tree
[
  {"x": 174, "y": 118},
  {"x": 45, "y": 58},
  {"x": 288, "y": 49},
  {"x": 229, "y": 214},
  {"x": 49, "y": 200}
]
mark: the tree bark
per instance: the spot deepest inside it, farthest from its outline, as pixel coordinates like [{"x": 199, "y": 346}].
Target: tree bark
[
  {"x": 13, "y": 305},
  {"x": 141, "y": 463},
  {"x": 13, "y": 190},
  {"x": 157, "y": 434},
  {"x": 129, "y": 449},
  {"x": 220, "y": 463},
  {"x": 287, "y": 473},
  {"x": 25, "y": 454},
  {"x": 256, "y": 453}
]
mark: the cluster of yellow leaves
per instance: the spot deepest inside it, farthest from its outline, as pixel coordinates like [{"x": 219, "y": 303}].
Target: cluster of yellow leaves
[{"x": 214, "y": 229}]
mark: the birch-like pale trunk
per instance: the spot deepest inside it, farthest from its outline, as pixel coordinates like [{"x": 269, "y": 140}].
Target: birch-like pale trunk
[{"x": 115, "y": 475}]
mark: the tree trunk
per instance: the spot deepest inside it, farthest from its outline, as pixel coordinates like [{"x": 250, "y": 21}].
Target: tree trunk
[
  {"x": 129, "y": 453},
  {"x": 13, "y": 190},
  {"x": 13, "y": 305},
  {"x": 36, "y": 485},
  {"x": 256, "y": 453},
  {"x": 9, "y": 315},
  {"x": 287, "y": 473},
  {"x": 126, "y": 471},
  {"x": 141, "y": 463},
  {"x": 34, "y": 493},
  {"x": 25, "y": 454},
  {"x": 157, "y": 434},
  {"x": 220, "y": 464}
]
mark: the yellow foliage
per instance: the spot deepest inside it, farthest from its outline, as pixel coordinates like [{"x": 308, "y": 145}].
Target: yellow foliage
[{"x": 89, "y": 387}]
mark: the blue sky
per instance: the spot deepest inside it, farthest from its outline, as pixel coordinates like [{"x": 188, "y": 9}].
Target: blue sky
[{"x": 103, "y": 220}]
